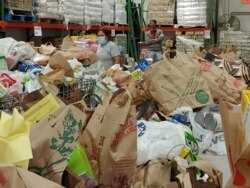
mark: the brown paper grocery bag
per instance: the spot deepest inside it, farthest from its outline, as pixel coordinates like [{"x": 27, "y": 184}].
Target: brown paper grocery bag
[
  {"x": 14, "y": 177},
  {"x": 221, "y": 84},
  {"x": 139, "y": 92},
  {"x": 111, "y": 141},
  {"x": 173, "y": 87},
  {"x": 58, "y": 61},
  {"x": 53, "y": 140},
  {"x": 238, "y": 151},
  {"x": 155, "y": 173},
  {"x": 215, "y": 176}
]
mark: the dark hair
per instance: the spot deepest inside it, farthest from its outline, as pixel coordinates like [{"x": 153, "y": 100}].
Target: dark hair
[
  {"x": 106, "y": 32},
  {"x": 154, "y": 21}
]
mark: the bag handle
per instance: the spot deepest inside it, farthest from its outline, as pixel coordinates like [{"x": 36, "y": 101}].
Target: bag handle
[
  {"x": 48, "y": 44},
  {"x": 128, "y": 102},
  {"x": 204, "y": 166}
]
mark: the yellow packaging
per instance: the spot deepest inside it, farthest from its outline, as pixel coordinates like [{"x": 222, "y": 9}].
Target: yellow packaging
[
  {"x": 245, "y": 112},
  {"x": 41, "y": 109}
]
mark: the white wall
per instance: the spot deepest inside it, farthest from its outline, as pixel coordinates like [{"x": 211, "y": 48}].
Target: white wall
[{"x": 236, "y": 6}]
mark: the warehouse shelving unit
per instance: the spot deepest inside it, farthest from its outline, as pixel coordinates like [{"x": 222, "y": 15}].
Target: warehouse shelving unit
[
  {"x": 172, "y": 29},
  {"x": 4, "y": 25}
]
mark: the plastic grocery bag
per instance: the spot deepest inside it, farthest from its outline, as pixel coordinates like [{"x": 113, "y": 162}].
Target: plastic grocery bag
[
  {"x": 6, "y": 45},
  {"x": 203, "y": 135},
  {"x": 159, "y": 140},
  {"x": 14, "y": 140},
  {"x": 20, "y": 51}
]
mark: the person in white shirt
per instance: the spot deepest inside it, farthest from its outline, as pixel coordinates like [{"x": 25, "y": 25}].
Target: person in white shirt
[{"x": 108, "y": 52}]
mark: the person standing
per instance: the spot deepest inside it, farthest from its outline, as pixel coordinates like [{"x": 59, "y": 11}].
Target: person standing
[
  {"x": 108, "y": 52},
  {"x": 153, "y": 39}
]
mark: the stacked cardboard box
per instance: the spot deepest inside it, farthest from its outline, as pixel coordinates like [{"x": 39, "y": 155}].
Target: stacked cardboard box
[
  {"x": 120, "y": 12},
  {"x": 162, "y": 11},
  {"x": 108, "y": 12},
  {"x": 74, "y": 11},
  {"x": 191, "y": 13},
  {"x": 49, "y": 9}
]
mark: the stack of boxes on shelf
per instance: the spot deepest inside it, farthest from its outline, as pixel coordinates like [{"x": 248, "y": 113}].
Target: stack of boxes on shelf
[
  {"x": 238, "y": 39},
  {"x": 192, "y": 13},
  {"x": 108, "y": 11},
  {"x": 195, "y": 36},
  {"x": 161, "y": 10},
  {"x": 49, "y": 9},
  {"x": 93, "y": 12},
  {"x": 74, "y": 11},
  {"x": 84, "y": 12},
  {"x": 120, "y": 12},
  {"x": 121, "y": 41}
]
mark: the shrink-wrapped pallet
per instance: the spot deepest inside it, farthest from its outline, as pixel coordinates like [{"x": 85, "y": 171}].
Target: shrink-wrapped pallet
[
  {"x": 108, "y": 11},
  {"x": 162, "y": 11},
  {"x": 192, "y": 13}
]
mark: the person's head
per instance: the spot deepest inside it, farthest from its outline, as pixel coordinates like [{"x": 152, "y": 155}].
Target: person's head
[
  {"x": 152, "y": 24},
  {"x": 103, "y": 36}
]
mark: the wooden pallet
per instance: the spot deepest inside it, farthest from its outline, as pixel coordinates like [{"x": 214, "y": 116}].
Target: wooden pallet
[
  {"x": 114, "y": 24},
  {"x": 49, "y": 20},
  {"x": 19, "y": 18}
]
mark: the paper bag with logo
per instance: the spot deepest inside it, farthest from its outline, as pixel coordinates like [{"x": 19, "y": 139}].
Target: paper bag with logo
[
  {"x": 14, "y": 140},
  {"x": 221, "y": 84},
  {"x": 53, "y": 140},
  {"x": 155, "y": 173},
  {"x": 14, "y": 177},
  {"x": 237, "y": 149},
  {"x": 173, "y": 87},
  {"x": 110, "y": 137}
]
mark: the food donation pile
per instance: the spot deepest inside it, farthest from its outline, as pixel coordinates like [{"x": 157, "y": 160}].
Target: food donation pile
[{"x": 65, "y": 122}]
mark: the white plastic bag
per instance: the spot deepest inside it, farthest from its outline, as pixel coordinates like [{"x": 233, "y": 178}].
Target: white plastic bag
[
  {"x": 218, "y": 145},
  {"x": 6, "y": 44},
  {"x": 20, "y": 51},
  {"x": 159, "y": 140},
  {"x": 204, "y": 136}
]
